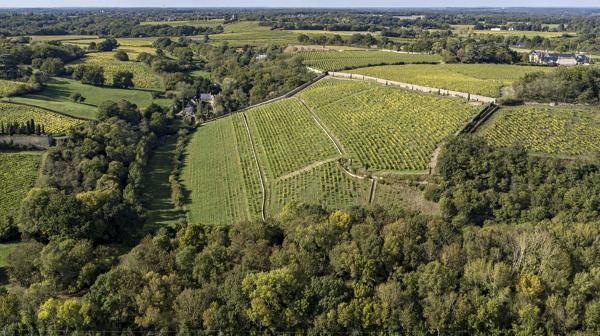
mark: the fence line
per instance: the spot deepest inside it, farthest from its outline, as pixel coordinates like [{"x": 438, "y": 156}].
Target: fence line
[{"x": 408, "y": 86}]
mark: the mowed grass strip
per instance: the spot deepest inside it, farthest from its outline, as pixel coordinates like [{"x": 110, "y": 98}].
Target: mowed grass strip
[
  {"x": 481, "y": 79},
  {"x": 157, "y": 188},
  {"x": 18, "y": 171},
  {"x": 53, "y": 122},
  {"x": 56, "y": 96},
  {"x": 287, "y": 137},
  {"x": 545, "y": 129},
  {"x": 388, "y": 129},
  {"x": 214, "y": 176},
  {"x": 326, "y": 185},
  {"x": 338, "y": 60}
]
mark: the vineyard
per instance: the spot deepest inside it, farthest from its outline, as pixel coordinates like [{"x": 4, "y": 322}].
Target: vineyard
[
  {"x": 143, "y": 77},
  {"x": 545, "y": 129},
  {"x": 18, "y": 171},
  {"x": 339, "y": 60},
  {"x": 482, "y": 79},
  {"x": 53, "y": 123},
  {"x": 8, "y": 87},
  {"x": 251, "y": 33},
  {"x": 393, "y": 130},
  {"x": 215, "y": 173},
  {"x": 287, "y": 137},
  {"x": 326, "y": 185}
]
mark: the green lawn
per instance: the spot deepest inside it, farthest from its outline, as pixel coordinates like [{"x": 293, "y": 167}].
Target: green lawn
[
  {"x": 56, "y": 97},
  {"x": 157, "y": 190}
]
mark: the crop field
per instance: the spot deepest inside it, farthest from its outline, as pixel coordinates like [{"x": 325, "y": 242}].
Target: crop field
[
  {"x": 545, "y": 129},
  {"x": 392, "y": 130},
  {"x": 45, "y": 38},
  {"x": 143, "y": 77},
  {"x": 195, "y": 23},
  {"x": 482, "y": 79},
  {"x": 18, "y": 171},
  {"x": 251, "y": 33},
  {"x": 336, "y": 60},
  {"x": 53, "y": 122},
  {"x": 56, "y": 97},
  {"x": 326, "y": 185},
  {"x": 8, "y": 87},
  {"x": 217, "y": 171},
  {"x": 287, "y": 137},
  {"x": 519, "y": 33}
]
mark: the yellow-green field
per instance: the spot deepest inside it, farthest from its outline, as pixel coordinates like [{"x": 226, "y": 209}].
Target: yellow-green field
[
  {"x": 53, "y": 122},
  {"x": 195, "y": 23},
  {"x": 545, "y": 129},
  {"x": 143, "y": 76},
  {"x": 481, "y": 79},
  {"x": 339, "y": 60},
  {"x": 8, "y": 87},
  {"x": 18, "y": 171}
]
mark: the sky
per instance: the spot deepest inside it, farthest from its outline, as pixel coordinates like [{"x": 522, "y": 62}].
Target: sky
[{"x": 299, "y": 3}]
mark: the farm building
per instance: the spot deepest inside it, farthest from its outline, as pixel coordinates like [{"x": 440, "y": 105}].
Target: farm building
[{"x": 545, "y": 57}]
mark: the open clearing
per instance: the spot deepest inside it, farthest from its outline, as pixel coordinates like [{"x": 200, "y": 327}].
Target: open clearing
[
  {"x": 545, "y": 129},
  {"x": 177, "y": 23},
  {"x": 339, "y": 60},
  {"x": 481, "y": 79},
  {"x": 53, "y": 122},
  {"x": 56, "y": 97},
  {"x": 18, "y": 171}
]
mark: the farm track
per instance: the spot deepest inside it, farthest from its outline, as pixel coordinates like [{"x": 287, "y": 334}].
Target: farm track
[
  {"x": 326, "y": 130},
  {"x": 260, "y": 172},
  {"x": 305, "y": 169}
]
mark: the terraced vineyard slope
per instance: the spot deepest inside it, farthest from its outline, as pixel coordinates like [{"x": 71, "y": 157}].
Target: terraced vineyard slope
[
  {"x": 545, "y": 129},
  {"x": 339, "y": 60},
  {"x": 481, "y": 79}
]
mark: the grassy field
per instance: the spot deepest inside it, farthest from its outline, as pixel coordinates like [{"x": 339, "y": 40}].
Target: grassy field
[
  {"x": 5, "y": 250},
  {"x": 218, "y": 169},
  {"x": 18, "y": 171},
  {"x": 287, "y": 137},
  {"x": 56, "y": 97},
  {"x": 195, "y": 23},
  {"x": 545, "y": 129},
  {"x": 143, "y": 77},
  {"x": 53, "y": 122},
  {"x": 157, "y": 191},
  {"x": 482, "y": 79},
  {"x": 336, "y": 60},
  {"x": 384, "y": 128}
]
